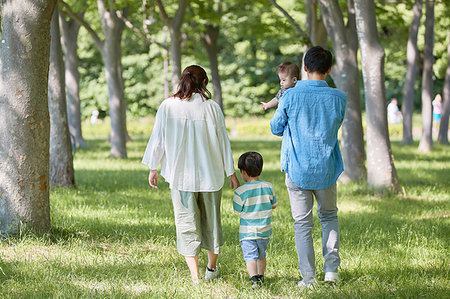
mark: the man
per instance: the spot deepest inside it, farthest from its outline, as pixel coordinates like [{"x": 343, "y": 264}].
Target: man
[{"x": 308, "y": 117}]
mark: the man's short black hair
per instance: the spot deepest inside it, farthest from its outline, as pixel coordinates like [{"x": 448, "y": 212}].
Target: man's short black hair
[
  {"x": 318, "y": 60},
  {"x": 251, "y": 162}
]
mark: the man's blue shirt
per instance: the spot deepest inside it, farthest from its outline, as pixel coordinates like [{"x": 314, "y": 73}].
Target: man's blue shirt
[{"x": 308, "y": 117}]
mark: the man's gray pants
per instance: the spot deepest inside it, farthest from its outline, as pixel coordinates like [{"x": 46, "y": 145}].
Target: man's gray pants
[{"x": 301, "y": 206}]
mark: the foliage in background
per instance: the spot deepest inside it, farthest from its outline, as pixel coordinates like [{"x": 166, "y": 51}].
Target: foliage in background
[{"x": 254, "y": 39}]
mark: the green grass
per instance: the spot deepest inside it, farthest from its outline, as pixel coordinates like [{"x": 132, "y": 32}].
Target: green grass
[{"x": 113, "y": 237}]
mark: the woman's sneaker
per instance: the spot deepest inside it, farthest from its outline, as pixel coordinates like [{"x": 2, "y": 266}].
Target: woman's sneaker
[{"x": 211, "y": 274}]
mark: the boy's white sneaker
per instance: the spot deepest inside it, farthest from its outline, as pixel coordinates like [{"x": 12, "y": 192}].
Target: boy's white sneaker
[
  {"x": 210, "y": 275},
  {"x": 331, "y": 277}
]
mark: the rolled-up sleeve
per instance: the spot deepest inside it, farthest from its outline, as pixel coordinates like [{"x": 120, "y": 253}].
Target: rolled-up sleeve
[
  {"x": 279, "y": 120},
  {"x": 155, "y": 148},
  {"x": 224, "y": 143}
]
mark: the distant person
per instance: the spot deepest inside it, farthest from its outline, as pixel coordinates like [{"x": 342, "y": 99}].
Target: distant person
[
  {"x": 393, "y": 113},
  {"x": 254, "y": 201},
  {"x": 190, "y": 141},
  {"x": 437, "y": 109},
  {"x": 288, "y": 73},
  {"x": 309, "y": 117},
  {"x": 94, "y": 116}
]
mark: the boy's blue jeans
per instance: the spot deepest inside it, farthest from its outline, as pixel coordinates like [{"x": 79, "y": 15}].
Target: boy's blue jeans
[{"x": 301, "y": 207}]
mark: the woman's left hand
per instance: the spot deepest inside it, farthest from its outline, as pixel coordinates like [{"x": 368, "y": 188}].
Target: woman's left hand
[
  {"x": 153, "y": 179},
  {"x": 234, "y": 181}
]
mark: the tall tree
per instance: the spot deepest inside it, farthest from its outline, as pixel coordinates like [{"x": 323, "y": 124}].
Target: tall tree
[
  {"x": 111, "y": 51},
  {"x": 24, "y": 125},
  {"x": 174, "y": 26},
  {"x": 443, "y": 127},
  {"x": 69, "y": 39},
  {"x": 381, "y": 172},
  {"x": 345, "y": 73},
  {"x": 426, "y": 140},
  {"x": 412, "y": 57},
  {"x": 61, "y": 158}
]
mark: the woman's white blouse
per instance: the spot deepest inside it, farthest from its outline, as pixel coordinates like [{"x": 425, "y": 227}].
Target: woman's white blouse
[{"x": 190, "y": 141}]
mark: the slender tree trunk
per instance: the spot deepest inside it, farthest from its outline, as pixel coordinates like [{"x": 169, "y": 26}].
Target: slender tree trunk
[
  {"x": 112, "y": 55},
  {"x": 210, "y": 41},
  {"x": 69, "y": 40},
  {"x": 24, "y": 125},
  {"x": 346, "y": 75},
  {"x": 315, "y": 26},
  {"x": 426, "y": 140},
  {"x": 443, "y": 127},
  {"x": 412, "y": 57},
  {"x": 61, "y": 159},
  {"x": 174, "y": 26},
  {"x": 381, "y": 172}
]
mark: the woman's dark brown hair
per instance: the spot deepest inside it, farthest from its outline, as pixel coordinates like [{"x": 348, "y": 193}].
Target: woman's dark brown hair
[{"x": 193, "y": 80}]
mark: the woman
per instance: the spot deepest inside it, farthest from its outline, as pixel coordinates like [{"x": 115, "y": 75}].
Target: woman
[{"x": 190, "y": 141}]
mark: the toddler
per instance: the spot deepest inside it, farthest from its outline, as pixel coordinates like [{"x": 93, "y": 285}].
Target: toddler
[
  {"x": 254, "y": 201},
  {"x": 288, "y": 73}
]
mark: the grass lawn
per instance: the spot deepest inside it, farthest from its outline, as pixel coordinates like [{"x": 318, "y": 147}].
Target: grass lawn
[{"x": 113, "y": 237}]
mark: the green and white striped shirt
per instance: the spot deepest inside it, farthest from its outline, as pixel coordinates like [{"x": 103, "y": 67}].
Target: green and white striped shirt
[{"x": 255, "y": 201}]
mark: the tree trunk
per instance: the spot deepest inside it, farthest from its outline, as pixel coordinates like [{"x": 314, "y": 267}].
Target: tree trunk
[
  {"x": 24, "y": 125},
  {"x": 112, "y": 54},
  {"x": 69, "y": 40},
  {"x": 346, "y": 75},
  {"x": 317, "y": 31},
  {"x": 210, "y": 41},
  {"x": 443, "y": 127},
  {"x": 426, "y": 140},
  {"x": 174, "y": 26},
  {"x": 61, "y": 159},
  {"x": 381, "y": 172},
  {"x": 412, "y": 57}
]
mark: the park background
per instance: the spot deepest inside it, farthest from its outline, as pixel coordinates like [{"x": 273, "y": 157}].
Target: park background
[{"x": 111, "y": 236}]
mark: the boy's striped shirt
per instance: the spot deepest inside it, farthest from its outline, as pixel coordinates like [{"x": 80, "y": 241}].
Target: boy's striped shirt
[{"x": 254, "y": 201}]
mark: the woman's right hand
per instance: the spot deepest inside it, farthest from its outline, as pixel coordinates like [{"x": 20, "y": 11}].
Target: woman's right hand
[
  {"x": 234, "y": 181},
  {"x": 153, "y": 178}
]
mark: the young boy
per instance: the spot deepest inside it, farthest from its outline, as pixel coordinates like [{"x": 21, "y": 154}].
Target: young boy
[
  {"x": 288, "y": 73},
  {"x": 254, "y": 201}
]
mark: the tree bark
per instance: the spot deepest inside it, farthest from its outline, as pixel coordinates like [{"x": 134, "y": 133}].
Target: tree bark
[
  {"x": 24, "y": 125},
  {"x": 69, "y": 39},
  {"x": 412, "y": 58},
  {"x": 210, "y": 41},
  {"x": 61, "y": 158},
  {"x": 111, "y": 52},
  {"x": 346, "y": 75},
  {"x": 174, "y": 25},
  {"x": 381, "y": 172},
  {"x": 426, "y": 140},
  {"x": 443, "y": 127}
]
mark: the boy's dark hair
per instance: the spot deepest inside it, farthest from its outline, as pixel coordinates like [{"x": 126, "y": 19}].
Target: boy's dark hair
[
  {"x": 318, "y": 60},
  {"x": 251, "y": 162},
  {"x": 289, "y": 68}
]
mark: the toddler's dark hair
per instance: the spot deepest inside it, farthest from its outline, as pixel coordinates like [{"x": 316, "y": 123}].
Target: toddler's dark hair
[
  {"x": 318, "y": 60},
  {"x": 251, "y": 162},
  {"x": 289, "y": 68}
]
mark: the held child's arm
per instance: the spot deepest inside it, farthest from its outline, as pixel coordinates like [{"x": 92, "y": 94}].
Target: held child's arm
[
  {"x": 272, "y": 103},
  {"x": 234, "y": 181}
]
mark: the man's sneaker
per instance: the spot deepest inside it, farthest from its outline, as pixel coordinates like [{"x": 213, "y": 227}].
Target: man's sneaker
[
  {"x": 306, "y": 285},
  {"x": 331, "y": 277},
  {"x": 211, "y": 274}
]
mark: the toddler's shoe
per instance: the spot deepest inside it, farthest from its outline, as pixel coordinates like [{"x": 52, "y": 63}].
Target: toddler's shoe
[
  {"x": 211, "y": 274},
  {"x": 256, "y": 281}
]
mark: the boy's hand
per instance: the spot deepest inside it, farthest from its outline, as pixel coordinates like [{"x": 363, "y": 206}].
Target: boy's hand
[
  {"x": 153, "y": 179},
  {"x": 264, "y": 105},
  {"x": 234, "y": 181}
]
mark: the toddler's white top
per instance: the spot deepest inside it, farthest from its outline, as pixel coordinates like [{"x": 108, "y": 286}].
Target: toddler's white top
[{"x": 190, "y": 141}]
